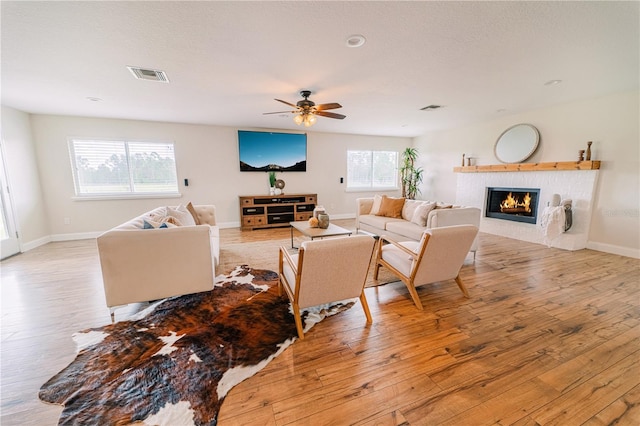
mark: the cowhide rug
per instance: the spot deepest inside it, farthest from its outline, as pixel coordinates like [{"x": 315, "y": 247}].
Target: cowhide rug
[{"x": 175, "y": 362}]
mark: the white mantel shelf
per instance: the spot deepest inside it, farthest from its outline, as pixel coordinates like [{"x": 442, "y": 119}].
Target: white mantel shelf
[{"x": 530, "y": 167}]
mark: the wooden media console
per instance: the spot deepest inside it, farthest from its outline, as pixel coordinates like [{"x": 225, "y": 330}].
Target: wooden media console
[{"x": 270, "y": 211}]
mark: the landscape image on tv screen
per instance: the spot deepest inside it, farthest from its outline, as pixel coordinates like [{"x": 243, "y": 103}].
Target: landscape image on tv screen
[{"x": 264, "y": 151}]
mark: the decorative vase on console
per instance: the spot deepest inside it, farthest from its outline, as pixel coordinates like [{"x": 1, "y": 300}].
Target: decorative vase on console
[
  {"x": 318, "y": 210},
  {"x": 323, "y": 220}
]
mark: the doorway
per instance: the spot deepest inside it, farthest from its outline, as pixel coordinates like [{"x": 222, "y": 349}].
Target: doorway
[{"x": 9, "y": 244}]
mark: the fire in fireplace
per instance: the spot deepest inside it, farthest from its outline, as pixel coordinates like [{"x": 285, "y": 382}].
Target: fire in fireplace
[{"x": 517, "y": 204}]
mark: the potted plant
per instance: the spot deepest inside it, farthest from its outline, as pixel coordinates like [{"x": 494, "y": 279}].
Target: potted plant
[
  {"x": 272, "y": 182},
  {"x": 410, "y": 176}
]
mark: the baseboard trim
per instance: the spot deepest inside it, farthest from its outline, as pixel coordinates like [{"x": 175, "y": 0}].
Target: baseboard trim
[
  {"x": 35, "y": 243},
  {"x": 613, "y": 249},
  {"x": 76, "y": 236}
]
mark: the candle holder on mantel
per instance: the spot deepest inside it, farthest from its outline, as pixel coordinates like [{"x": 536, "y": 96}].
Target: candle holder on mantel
[
  {"x": 581, "y": 155},
  {"x": 588, "y": 155}
]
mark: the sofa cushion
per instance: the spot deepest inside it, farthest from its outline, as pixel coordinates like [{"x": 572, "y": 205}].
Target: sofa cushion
[
  {"x": 153, "y": 225},
  {"x": 192, "y": 210},
  {"x": 422, "y": 213},
  {"x": 407, "y": 229},
  {"x": 409, "y": 208},
  {"x": 441, "y": 205},
  {"x": 377, "y": 200},
  {"x": 182, "y": 215},
  {"x": 391, "y": 207},
  {"x": 150, "y": 224},
  {"x": 379, "y": 222}
]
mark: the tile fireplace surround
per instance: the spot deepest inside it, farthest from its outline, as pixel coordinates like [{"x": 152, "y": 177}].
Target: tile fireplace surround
[{"x": 578, "y": 185}]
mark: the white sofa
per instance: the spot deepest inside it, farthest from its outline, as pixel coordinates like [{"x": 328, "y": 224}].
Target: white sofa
[
  {"x": 140, "y": 265},
  {"x": 404, "y": 229}
]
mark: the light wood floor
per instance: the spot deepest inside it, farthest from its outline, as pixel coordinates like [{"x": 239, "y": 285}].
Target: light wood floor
[{"x": 548, "y": 337}]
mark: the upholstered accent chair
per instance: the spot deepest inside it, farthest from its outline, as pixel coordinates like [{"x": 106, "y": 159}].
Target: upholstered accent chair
[
  {"x": 325, "y": 271},
  {"x": 438, "y": 256}
]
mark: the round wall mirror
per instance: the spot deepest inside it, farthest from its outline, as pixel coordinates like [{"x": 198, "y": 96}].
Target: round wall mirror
[{"x": 517, "y": 143}]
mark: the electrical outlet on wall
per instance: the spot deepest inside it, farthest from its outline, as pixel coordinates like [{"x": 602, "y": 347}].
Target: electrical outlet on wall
[{"x": 67, "y": 221}]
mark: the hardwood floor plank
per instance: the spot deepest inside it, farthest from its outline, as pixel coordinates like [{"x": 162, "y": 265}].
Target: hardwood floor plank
[{"x": 592, "y": 396}]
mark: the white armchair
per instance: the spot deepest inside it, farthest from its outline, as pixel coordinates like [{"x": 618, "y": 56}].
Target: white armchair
[
  {"x": 326, "y": 271},
  {"x": 438, "y": 256}
]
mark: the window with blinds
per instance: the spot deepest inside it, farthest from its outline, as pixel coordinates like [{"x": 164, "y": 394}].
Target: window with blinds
[
  {"x": 112, "y": 168},
  {"x": 372, "y": 170}
]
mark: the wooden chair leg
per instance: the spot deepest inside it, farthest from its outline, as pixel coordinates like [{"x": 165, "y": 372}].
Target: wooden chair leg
[
  {"x": 365, "y": 307},
  {"x": 462, "y": 286},
  {"x": 376, "y": 268},
  {"x": 414, "y": 295},
  {"x": 296, "y": 314}
]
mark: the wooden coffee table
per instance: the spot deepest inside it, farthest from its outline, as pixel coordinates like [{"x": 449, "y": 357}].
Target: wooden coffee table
[{"x": 305, "y": 229}]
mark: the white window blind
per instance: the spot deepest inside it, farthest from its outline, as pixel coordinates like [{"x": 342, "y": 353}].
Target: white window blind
[
  {"x": 372, "y": 169},
  {"x": 108, "y": 168}
]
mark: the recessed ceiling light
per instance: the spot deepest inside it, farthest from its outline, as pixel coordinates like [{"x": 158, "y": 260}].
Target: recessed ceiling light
[
  {"x": 355, "y": 40},
  {"x": 501, "y": 110},
  {"x": 553, "y": 82},
  {"x": 93, "y": 99}
]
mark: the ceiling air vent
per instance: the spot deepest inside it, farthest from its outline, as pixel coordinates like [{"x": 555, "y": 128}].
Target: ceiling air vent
[
  {"x": 149, "y": 74},
  {"x": 430, "y": 107}
]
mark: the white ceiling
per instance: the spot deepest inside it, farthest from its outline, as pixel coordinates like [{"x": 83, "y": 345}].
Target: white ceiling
[{"x": 227, "y": 61}]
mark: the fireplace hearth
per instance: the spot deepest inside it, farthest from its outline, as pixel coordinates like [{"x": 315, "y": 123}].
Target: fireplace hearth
[{"x": 516, "y": 204}]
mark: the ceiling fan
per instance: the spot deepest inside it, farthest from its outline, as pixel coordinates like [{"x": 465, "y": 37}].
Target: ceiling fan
[{"x": 307, "y": 110}]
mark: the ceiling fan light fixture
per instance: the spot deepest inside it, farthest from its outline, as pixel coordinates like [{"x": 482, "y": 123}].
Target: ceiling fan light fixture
[
  {"x": 298, "y": 119},
  {"x": 310, "y": 120}
]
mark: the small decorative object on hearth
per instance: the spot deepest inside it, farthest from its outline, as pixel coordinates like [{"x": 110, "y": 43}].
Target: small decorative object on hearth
[
  {"x": 323, "y": 221},
  {"x": 581, "y": 155},
  {"x": 588, "y": 155}
]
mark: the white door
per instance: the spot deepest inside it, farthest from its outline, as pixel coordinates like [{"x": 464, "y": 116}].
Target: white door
[{"x": 9, "y": 244}]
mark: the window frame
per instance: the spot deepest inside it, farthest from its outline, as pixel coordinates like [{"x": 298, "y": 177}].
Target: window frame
[
  {"x": 131, "y": 193},
  {"x": 372, "y": 187}
]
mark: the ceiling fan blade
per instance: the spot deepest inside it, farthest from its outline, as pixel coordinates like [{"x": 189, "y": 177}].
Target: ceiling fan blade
[
  {"x": 287, "y": 103},
  {"x": 279, "y": 112},
  {"x": 332, "y": 105},
  {"x": 330, "y": 114}
]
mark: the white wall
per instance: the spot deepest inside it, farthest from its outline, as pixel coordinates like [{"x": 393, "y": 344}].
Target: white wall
[
  {"x": 23, "y": 179},
  {"x": 611, "y": 122},
  {"x": 206, "y": 155}
]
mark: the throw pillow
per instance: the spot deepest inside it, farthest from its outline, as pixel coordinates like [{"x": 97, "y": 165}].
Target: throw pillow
[
  {"x": 422, "y": 213},
  {"x": 192, "y": 210},
  {"x": 409, "y": 209},
  {"x": 154, "y": 225},
  {"x": 182, "y": 215},
  {"x": 391, "y": 207},
  {"x": 377, "y": 200},
  {"x": 443, "y": 206}
]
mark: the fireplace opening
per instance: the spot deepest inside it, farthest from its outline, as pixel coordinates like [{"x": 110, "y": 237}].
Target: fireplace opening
[{"x": 517, "y": 204}]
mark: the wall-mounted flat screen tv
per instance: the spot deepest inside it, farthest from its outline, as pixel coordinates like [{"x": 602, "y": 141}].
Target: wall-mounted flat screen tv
[{"x": 264, "y": 151}]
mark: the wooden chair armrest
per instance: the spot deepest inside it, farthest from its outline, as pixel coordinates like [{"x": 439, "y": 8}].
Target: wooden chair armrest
[
  {"x": 287, "y": 257},
  {"x": 397, "y": 244}
]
